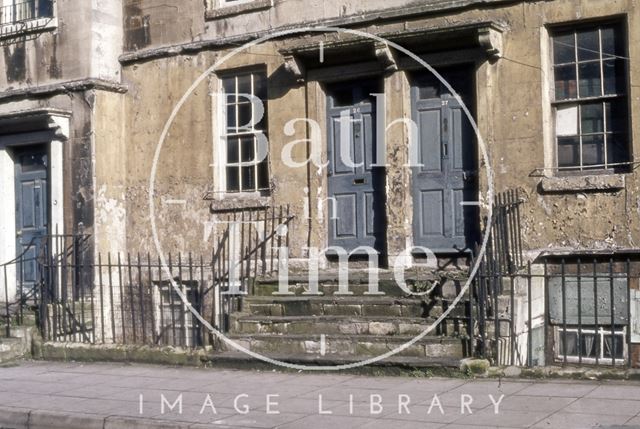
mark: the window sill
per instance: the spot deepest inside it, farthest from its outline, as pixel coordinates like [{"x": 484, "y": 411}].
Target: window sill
[
  {"x": 225, "y": 202},
  {"x": 586, "y": 183},
  {"x": 8, "y": 31},
  {"x": 227, "y": 11}
]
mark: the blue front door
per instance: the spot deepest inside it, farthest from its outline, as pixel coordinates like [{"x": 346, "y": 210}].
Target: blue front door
[
  {"x": 444, "y": 183},
  {"x": 31, "y": 210},
  {"x": 355, "y": 185}
]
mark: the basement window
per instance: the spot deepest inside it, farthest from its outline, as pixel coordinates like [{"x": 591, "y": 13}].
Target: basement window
[
  {"x": 590, "y": 69},
  {"x": 591, "y": 345},
  {"x": 175, "y": 324},
  {"x": 588, "y": 309}
]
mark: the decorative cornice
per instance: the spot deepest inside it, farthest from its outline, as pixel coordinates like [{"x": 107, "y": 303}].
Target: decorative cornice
[
  {"x": 361, "y": 19},
  {"x": 63, "y": 87}
]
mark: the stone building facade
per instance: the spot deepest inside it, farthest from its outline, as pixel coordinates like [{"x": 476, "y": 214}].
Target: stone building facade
[{"x": 127, "y": 98}]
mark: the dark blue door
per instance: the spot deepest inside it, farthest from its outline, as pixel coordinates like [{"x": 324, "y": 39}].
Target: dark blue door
[
  {"x": 355, "y": 186},
  {"x": 445, "y": 185},
  {"x": 31, "y": 210}
]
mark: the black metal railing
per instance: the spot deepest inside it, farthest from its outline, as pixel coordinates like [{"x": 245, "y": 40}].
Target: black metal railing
[
  {"x": 22, "y": 11},
  {"x": 498, "y": 271},
  {"x": 560, "y": 310},
  {"x": 251, "y": 246},
  {"x": 22, "y": 277},
  {"x": 504, "y": 249},
  {"x": 566, "y": 311},
  {"x": 145, "y": 299}
]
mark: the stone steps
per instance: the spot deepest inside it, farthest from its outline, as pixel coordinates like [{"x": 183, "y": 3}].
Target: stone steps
[
  {"x": 354, "y": 326},
  {"x": 340, "y": 306},
  {"x": 360, "y": 346},
  {"x": 331, "y": 288},
  {"x": 331, "y": 325}
]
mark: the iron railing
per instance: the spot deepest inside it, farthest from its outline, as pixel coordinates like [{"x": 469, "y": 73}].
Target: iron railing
[
  {"x": 145, "y": 299},
  {"x": 22, "y": 277},
  {"x": 558, "y": 311}
]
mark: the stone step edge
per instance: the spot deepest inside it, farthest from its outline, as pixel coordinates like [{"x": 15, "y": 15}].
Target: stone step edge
[
  {"x": 338, "y": 299},
  {"x": 345, "y": 337},
  {"x": 241, "y": 317},
  {"x": 359, "y": 277},
  {"x": 335, "y": 360}
]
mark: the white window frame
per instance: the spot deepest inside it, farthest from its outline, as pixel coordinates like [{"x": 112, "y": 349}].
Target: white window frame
[
  {"x": 600, "y": 332},
  {"x": 578, "y": 102},
  {"x": 221, "y": 135},
  {"x": 164, "y": 306}
]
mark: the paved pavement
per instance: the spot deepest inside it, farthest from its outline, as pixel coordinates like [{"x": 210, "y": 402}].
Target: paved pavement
[{"x": 73, "y": 395}]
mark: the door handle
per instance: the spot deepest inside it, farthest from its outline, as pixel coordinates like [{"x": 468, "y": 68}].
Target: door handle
[{"x": 19, "y": 233}]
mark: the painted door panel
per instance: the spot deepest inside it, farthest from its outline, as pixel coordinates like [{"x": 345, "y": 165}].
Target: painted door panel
[
  {"x": 31, "y": 210},
  {"x": 446, "y": 178},
  {"x": 356, "y": 187}
]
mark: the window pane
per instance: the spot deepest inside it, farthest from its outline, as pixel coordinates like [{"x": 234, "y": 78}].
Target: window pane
[
  {"x": 244, "y": 84},
  {"x": 617, "y": 347},
  {"x": 588, "y": 345},
  {"x": 588, "y": 45},
  {"x": 263, "y": 175},
  {"x": 590, "y": 79},
  {"x": 592, "y": 118},
  {"x": 232, "y": 150},
  {"x": 565, "y": 77},
  {"x": 248, "y": 149},
  {"x": 229, "y": 86},
  {"x": 593, "y": 150},
  {"x": 248, "y": 178},
  {"x": 260, "y": 86},
  {"x": 617, "y": 116},
  {"x": 564, "y": 49},
  {"x": 614, "y": 76},
  {"x": 612, "y": 42},
  {"x": 567, "y": 121},
  {"x": 570, "y": 340},
  {"x": 618, "y": 146},
  {"x": 232, "y": 179},
  {"x": 231, "y": 118},
  {"x": 568, "y": 152},
  {"x": 244, "y": 117}
]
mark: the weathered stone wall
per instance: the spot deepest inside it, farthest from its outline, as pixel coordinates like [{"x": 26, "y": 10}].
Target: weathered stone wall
[
  {"x": 78, "y": 175},
  {"x": 84, "y": 39},
  {"x": 512, "y": 113},
  {"x": 71, "y": 66}
]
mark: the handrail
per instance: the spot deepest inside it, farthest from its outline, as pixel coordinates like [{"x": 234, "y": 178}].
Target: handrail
[
  {"x": 17, "y": 258},
  {"x": 249, "y": 255}
]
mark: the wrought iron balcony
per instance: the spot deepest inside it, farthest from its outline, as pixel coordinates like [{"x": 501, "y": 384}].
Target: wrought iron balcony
[{"x": 19, "y": 12}]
